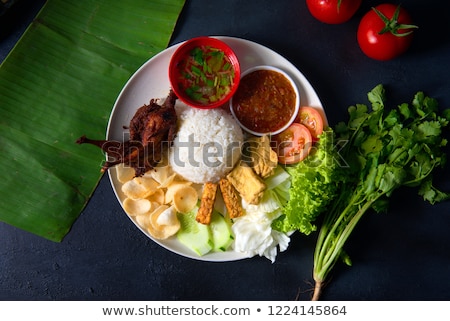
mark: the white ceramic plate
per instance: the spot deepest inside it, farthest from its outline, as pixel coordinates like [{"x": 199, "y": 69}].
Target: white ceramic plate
[{"x": 152, "y": 81}]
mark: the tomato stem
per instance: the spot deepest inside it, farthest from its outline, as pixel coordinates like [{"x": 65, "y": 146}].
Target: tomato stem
[{"x": 392, "y": 25}]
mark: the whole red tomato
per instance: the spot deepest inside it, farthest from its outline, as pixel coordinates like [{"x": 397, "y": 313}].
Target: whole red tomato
[
  {"x": 333, "y": 11},
  {"x": 385, "y": 32}
]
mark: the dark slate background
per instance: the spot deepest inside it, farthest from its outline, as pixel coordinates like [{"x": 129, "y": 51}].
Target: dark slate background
[{"x": 403, "y": 254}]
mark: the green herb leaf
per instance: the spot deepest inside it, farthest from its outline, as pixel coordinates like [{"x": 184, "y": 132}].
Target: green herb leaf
[{"x": 389, "y": 149}]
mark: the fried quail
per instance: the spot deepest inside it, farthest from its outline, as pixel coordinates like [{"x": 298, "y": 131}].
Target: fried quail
[{"x": 152, "y": 127}]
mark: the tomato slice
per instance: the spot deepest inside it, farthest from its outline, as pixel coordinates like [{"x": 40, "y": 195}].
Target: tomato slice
[
  {"x": 293, "y": 144},
  {"x": 311, "y": 118}
]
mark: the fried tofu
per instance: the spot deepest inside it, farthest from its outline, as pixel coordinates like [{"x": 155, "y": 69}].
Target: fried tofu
[
  {"x": 260, "y": 156},
  {"x": 207, "y": 203},
  {"x": 249, "y": 185},
  {"x": 231, "y": 198}
]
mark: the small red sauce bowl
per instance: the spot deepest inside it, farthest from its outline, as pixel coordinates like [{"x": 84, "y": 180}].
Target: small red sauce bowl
[{"x": 204, "y": 72}]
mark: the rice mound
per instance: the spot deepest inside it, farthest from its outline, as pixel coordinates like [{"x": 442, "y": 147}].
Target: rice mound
[{"x": 207, "y": 145}]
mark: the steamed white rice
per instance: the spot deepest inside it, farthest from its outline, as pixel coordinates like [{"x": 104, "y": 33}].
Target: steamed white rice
[{"x": 207, "y": 145}]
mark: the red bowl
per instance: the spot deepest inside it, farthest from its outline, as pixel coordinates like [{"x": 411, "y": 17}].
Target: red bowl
[{"x": 204, "y": 72}]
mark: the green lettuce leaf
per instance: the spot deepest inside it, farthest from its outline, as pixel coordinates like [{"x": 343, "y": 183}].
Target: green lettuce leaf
[{"x": 314, "y": 183}]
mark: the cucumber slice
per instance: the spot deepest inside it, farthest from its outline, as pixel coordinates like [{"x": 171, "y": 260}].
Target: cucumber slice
[
  {"x": 194, "y": 235},
  {"x": 222, "y": 235}
]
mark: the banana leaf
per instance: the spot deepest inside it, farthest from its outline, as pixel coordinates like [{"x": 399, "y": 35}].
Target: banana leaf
[{"x": 60, "y": 82}]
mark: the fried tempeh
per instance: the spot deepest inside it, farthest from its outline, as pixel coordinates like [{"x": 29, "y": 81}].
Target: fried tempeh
[
  {"x": 231, "y": 198},
  {"x": 207, "y": 203}
]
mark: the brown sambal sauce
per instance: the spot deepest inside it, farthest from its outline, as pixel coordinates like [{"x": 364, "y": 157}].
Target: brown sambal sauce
[{"x": 264, "y": 101}]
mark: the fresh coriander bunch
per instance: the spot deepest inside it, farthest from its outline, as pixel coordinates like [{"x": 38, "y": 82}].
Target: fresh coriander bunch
[
  {"x": 398, "y": 147},
  {"x": 384, "y": 149}
]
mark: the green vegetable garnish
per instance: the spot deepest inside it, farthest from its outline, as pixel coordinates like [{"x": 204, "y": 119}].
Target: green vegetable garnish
[
  {"x": 315, "y": 183},
  {"x": 358, "y": 166},
  {"x": 384, "y": 150}
]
